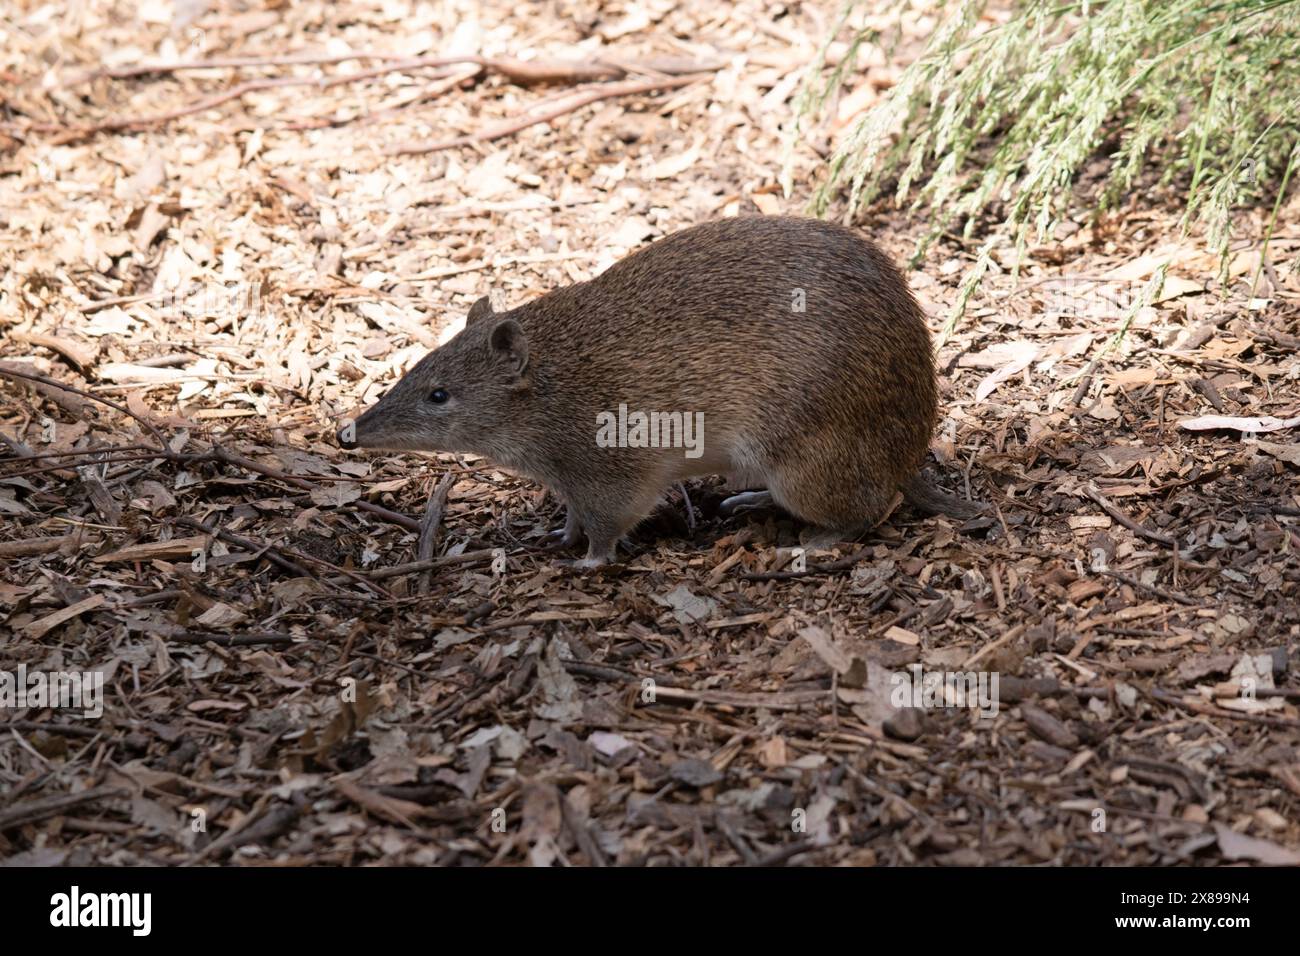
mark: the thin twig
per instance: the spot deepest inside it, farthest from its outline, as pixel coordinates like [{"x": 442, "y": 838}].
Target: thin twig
[
  {"x": 1159, "y": 537},
  {"x": 73, "y": 466},
  {"x": 843, "y": 564},
  {"x": 429, "y": 529},
  {"x": 465, "y": 557},
  {"x": 235, "y": 62},
  {"x": 270, "y": 552},
  {"x": 1199, "y": 707},
  {"x": 392, "y": 517},
  {"x": 55, "y": 383},
  {"x": 575, "y": 101},
  {"x": 76, "y": 452},
  {"x": 1157, "y": 591},
  {"x": 249, "y": 639},
  {"x": 44, "y": 807},
  {"x": 517, "y": 71},
  {"x": 210, "y": 102},
  {"x": 523, "y": 72}
]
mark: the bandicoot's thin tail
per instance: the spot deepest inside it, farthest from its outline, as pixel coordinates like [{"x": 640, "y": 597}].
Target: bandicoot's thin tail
[{"x": 929, "y": 499}]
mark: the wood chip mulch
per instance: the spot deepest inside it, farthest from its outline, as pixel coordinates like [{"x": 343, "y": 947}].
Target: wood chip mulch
[{"x": 238, "y": 261}]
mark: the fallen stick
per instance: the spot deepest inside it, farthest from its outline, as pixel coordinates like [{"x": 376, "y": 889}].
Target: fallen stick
[
  {"x": 35, "y": 810},
  {"x": 1076, "y": 400},
  {"x": 55, "y": 383},
  {"x": 248, "y": 639},
  {"x": 1158, "y": 537},
  {"x": 433, "y": 91},
  {"x": 17, "y": 449},
  {"x": 126, "y": 453},
  {"x": 565, "y": 105},
  {"x": 27, "y": 547},
  {"x": 777, "y": 857},
  {"x": 1208, "y": 710},
  {"x": 68, "y": 466},
  {"x": 217, "y": 456},
  {"x": 392, "y": 517},
  {"x": 257, "y": 827},
  {"x": 463, "y": 558},
  {"x": 143, "y": 122},
  {"x": 78, "y": 357},
  {"x": 843, "y": 564},
  {"x": 222, "y": 63},
  {"x": 429, "y": 528},
  {"x": 265, "y": 550},
  {"x": 53, "y": 727},
  {"x": 1157, "y": 591},
  {"x": 787, "y": 700},
  {"x": 63, "y": 397},
  {"x": 270, "y": 552},
  {"x": 207, "y": 103},
  {"x": 80, "y": 452},
  {"x": 524, "y": 72}
]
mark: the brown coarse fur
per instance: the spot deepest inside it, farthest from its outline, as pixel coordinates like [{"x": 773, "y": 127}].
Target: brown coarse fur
[{"x": 830, "y": 408}]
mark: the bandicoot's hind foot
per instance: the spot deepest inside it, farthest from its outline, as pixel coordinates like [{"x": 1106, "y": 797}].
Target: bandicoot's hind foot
[
  {"x": 839, "y": 506},
  {"x": 822, "y": 539},
  {"x": 814, "y": 538},
  {"x": 746, "y": 501},
  {"x": 590, "y": 562},
  {"x": 930, "y": 499}
]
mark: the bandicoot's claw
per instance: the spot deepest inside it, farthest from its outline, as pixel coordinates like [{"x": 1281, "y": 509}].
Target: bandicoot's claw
[
  {"x": 745, "y": 501},
  {"x": 560, "y": 539}
]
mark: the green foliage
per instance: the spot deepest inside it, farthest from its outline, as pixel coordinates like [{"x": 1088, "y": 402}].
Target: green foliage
[{"x": 994, "y": 122}]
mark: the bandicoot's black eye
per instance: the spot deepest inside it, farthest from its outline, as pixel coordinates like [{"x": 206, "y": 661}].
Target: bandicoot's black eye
[{"x": 438, "y": 396}]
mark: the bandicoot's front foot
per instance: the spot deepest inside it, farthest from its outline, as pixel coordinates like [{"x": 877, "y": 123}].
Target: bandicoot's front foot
[
  {"x": 564, "y": 538},
  {"x": 602, "y": 542},
  {"x": 561, "y": 539},
  {"x": 585, "y": 564},
  {"x": 600, "y": 551},
  {"x": 599, "y": 555}
]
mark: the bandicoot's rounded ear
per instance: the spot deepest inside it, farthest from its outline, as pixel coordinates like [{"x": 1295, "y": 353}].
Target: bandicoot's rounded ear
[
  {"x": 480, "y": 310},
  {"x": 508, "y": 340}
]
